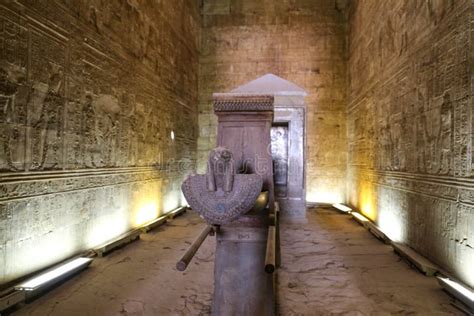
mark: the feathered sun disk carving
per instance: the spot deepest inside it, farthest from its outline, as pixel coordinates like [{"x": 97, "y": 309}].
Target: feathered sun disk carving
[{"x": 221, "y": 195}]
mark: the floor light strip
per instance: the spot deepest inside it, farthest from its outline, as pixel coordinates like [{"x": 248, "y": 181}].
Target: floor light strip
[
  {"x": 373, "y": 229},
  {"x": 342, "y": 207},
  {"x": 154, "y": 223},
  {"x": 172, "y": 214},
  {"x": 117, "y": 242},
  {"x": 460, "y": 292},
  {"x": 360, "y": 218},
  {"x": 377, "y": 232},
  {"x": 134, "y": 234},
  {"x": 55, "y": 274}
]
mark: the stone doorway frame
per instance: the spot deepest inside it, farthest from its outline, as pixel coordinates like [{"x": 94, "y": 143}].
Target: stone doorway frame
[{"x": 290, "y": 109}]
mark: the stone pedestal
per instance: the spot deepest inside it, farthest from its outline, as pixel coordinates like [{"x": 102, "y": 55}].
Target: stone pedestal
[
  {"x": 288, "y": 141},
  {"x": 241, "y": 285},
  {"x": 244, "y": 123},
  {"x": 227, "y": 197}
]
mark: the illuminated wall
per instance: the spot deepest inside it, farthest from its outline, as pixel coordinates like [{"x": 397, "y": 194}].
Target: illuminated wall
[
  {"x": 299, "y": 40},
  {"x": 90, "y": 93},
  {"x": 410, "y": 121}
]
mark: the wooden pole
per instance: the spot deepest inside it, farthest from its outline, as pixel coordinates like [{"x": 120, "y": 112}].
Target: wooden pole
[
  {"x": 188, "y": 256},
  {"x": 270, "y": 255}
]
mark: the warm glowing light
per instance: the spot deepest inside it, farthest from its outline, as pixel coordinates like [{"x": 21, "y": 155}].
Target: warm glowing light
[
  {"x": 55, "y": 273},
  {"x": 108, "y": 227},
  {"x": 145, "y": 213},
  {"x": 342, "y": 207},
  {"x": 359, "y": 216},
  {"x": 146, "y": 204},
  {"x": 172, "y": 135},
  {"x": 367, "y": 200},
  {"x": 37, "y": 253},
  {"x": 461, "y": 292},
  {"x": 329, "y": 197},
  {"x": 182, "y": 200},
  {"x": 172, "y": 200},
  {"x": 390, "y": 224}
]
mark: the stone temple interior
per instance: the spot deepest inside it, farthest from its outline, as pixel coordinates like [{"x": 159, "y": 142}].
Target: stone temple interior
[{"x": 362, "y": 110}]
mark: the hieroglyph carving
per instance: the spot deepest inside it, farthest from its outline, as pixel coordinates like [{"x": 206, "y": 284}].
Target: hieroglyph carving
[{"x": 46, "y": 106}]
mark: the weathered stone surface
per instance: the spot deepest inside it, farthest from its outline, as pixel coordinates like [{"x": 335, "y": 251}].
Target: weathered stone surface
[
  {"x": 90, "y": 92},
  {"x": 299, "y": 40},
  {"x": 288, "y": 139},
  {"x": 331, "y": 265},
  {"x": 140, "y": 279},
  {"x": 410, "y": 119},
  {"x": 244, "y": 124},
  {"x": 241, "y": 285},
  {"x": 237, "y": 172}
]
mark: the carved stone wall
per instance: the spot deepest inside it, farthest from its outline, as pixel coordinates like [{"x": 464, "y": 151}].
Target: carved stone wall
[
  {"x": 302, "y": 41},
  {"x": 410, "y": 121},
  {"x": 90, "y": 92}
]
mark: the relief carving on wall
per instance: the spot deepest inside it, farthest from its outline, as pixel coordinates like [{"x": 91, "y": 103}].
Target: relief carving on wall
[
  {"x": 420, "y": 95},
  {"x": 444, "y": 140},
  {"x": 45, "y": 116},
  {"x": 100, "y": 123},
  {"x": 12, "y": 116},
  {"x": 419, "y": 128},
  {"x": 67, "y": 103}
]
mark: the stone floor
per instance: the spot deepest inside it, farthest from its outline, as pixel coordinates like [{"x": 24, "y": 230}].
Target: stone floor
[
  {"x": 330, "y": 266},
  {"x": 333, "y": 266},
  {"x": 139, "y": 279}
]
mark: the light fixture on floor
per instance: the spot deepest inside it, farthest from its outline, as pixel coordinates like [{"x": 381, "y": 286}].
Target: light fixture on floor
[
  {"x": 423, "y": 264},
  {"x": 459, "y": 291},
  {"x": 373, "y": 229},
  {"x": 55, "y": 274},
  {"x": 118, "y": 242},
  {"x": 342, "y": 207},
  {"x": 172, "y": 214},
  {"x": 154, "y": 223},
  {"x": 359, "y": 217},
  {"x": 134, "y": 234}
]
